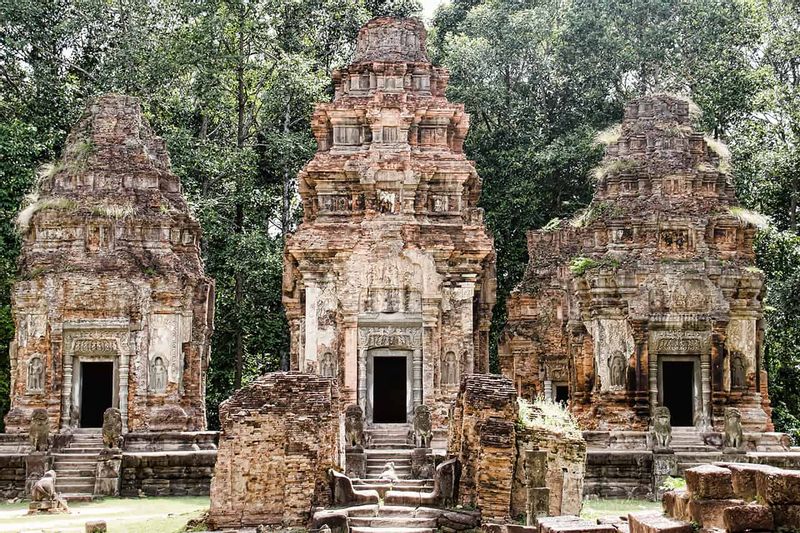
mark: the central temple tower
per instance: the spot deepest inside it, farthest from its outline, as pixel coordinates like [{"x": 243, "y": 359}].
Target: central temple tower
[{"x": 389, "y": 280}]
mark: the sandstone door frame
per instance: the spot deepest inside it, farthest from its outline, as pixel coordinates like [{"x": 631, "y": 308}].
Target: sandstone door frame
[
  {"x": 103, "y": 340},
  {"x": 399, "y": 337},
  {"x": 375, "y": 353}
]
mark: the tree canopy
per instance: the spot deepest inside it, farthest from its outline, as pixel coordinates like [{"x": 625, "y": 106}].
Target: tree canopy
[{"x": 231, "y": 84}]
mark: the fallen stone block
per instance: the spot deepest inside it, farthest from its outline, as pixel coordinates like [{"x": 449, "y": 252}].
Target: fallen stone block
[
  {"x": 650, "y": 522},
  {"x": 572, "y": 524},
  {"x": 776, "y": 486},
  {"x": 669, "y": 500},
  {"x": 786, "y": 516},
  {"x": 516, "y": 528},
  {"x": 709, "y": 482},
  {"x": 740, "y": 518},
  {"x": 336, "y": 520},
  {"x": 743, "y": 479},
  {"x": 682, "y": 507},
  {"x": 708, "y": 513},
  {"x": 96, "y": 526}
]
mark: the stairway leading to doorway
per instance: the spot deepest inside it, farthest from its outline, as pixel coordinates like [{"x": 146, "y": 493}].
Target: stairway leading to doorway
[
  {"x": 76, "y": 465},
  {"x": 389, "y": 443}
]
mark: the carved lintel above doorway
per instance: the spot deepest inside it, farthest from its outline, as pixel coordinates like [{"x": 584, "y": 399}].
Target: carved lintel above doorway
[
  {"x": 390, "y": 336},
  {"x": 680, "y": 342}
]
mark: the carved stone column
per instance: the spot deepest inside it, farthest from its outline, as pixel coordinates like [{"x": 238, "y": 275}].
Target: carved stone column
[
  {"x": 309, "y": 359},
  {"x": 416, "y": 365}
]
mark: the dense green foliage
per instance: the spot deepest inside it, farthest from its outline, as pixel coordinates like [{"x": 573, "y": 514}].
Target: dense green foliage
[
  {"x": 541, "y": 78},
  {"x": 230, "y": 84}
]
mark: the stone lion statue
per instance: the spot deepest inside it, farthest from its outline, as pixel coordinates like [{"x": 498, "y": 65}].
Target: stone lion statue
[
  {"x": 422, "y": 426},
  {"x": 733, "y": 428},
  {"x": 354, "y": 426},
  {"x": 112, "y": 428},
  {"x": 40, "y": 430},
  {"x": 662, "y": 427},
  {"x": 388, "y": 473},
  {"x": 45, "y": 488}
]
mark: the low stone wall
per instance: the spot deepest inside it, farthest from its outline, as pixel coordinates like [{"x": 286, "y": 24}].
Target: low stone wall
[
  {"x": 168, "y": 441},
  {"x": 619, "y": 474},
  {"x": 12, "y": 476},
  {"x": 566, "y": 469},
  {"x": 176, "y": 473},
  {"x": 280, "y": 435}
]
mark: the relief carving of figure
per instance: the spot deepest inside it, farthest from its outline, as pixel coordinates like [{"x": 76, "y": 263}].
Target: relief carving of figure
[
  {"x": 662, "y": 427},
  {"x": 158, "y": 375},
  {"x": 733, "y": 428},
  {"x": 327, "y": 365},
  {"x": 450, "y": 369},
  {"x": 354, "y": 426},
  {"x": 423, "y": 428},
  {"x": 39, "y": 434},
  {"x": 35, "y": 374},
  {"x": 616, "y": 367},
  {"x": 737, "y": 371}
]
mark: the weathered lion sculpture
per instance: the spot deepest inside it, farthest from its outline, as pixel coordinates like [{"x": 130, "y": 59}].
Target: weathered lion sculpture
[
  {"x": 112, "y": 428},
  {"x": 40, "y": 430},
  {"x": 422, "y": 426},
  {"x": 662, "y": 427},
  {"x": 45, "y": 488},
  {"x": 388, "y": 473},
  {"x": 734, "y": 437},
  {"x": 354, "y": 426}
]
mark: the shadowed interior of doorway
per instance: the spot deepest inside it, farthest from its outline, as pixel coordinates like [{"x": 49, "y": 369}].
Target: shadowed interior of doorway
[
  {"x": 97, "y": 384},
  {"x": 678, "y": 380},
  {"x": 389, "y": 390}
]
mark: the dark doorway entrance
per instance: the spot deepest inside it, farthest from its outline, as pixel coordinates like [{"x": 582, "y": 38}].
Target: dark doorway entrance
[
  {"x": 97, "y": 387},
  {"x": 562, "y": 394},
  {"x": 389, "y": 390},
  {"x": 677, "y": 383}
]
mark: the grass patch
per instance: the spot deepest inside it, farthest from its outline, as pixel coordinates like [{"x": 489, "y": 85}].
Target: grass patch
[
  {"x": 580, "y": 265},
  {"x": 553, "y": 225},
  {"x": 610, "y": 135},
  {"x": 752, "y": 218},
  {"x": 34, "y": 204},
  {"x": 594, "y": 212},
  {"x": 613, "y": 166},
  {"x": 673, "y": 483},
  {"x": 115, "y": 211},
  {"x": 123, "y": 515},
  {"x": 549, "y": 415},
  {"x": 594, "y": 509}
]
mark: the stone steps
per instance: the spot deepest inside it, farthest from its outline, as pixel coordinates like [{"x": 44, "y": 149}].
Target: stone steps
[
  {"x": 391, "y": 521},
  {"x": 76, "y": 466},
  {"x": 392, "y": 530}
]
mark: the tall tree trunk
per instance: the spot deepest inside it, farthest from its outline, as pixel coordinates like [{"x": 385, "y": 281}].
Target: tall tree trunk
[
  {"x": 287, "y": 178},
  {"x": 239, "y": 218}
]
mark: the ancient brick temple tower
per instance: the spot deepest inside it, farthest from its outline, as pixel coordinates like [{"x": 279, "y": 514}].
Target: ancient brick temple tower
[
  {"x": 389, "y": 280},
  {"x": 112, "y": 307},
  {"x": 650, "y": 297}
]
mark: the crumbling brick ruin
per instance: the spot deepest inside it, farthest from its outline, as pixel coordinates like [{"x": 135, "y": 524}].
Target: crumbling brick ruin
[
  {"x": 482, "y": 435},
  {"x": 280, "y": 436},
  {"x": 112, "y": 290},
  {"x": 389, "y": 280},
  {"x": 564, "y": 473},
  {"x": 653, "y": 284}
]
